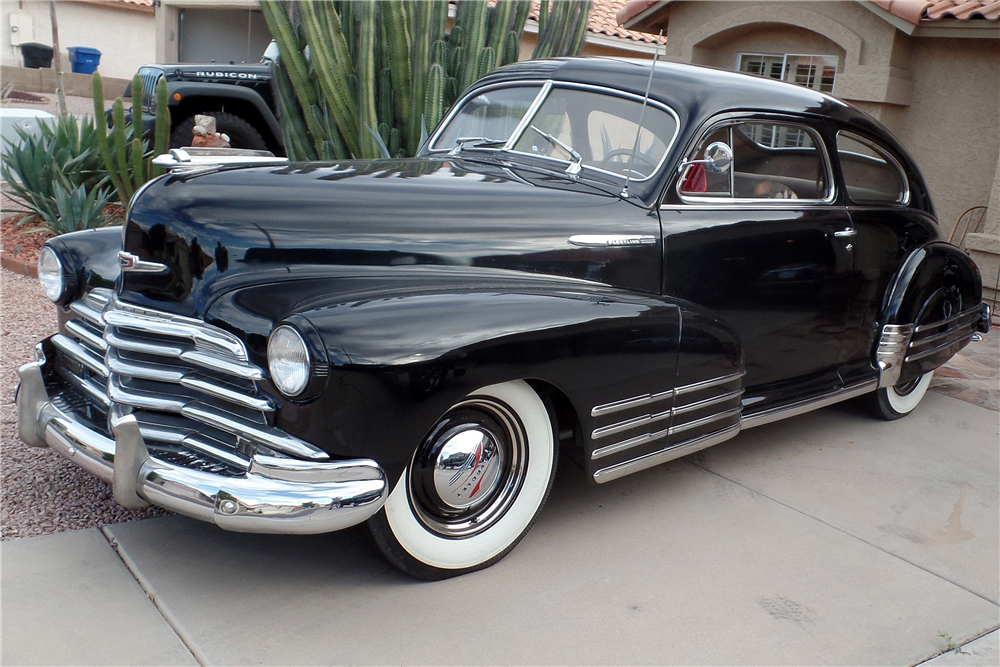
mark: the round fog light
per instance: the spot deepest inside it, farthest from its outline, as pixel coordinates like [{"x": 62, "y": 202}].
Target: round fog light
[
  {"x": 288, "y": 360},
  {"x": 50, "y": 274}
]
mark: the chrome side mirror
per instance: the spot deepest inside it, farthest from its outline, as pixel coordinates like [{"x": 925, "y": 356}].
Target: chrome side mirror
[{"x": 718, "y": 158}]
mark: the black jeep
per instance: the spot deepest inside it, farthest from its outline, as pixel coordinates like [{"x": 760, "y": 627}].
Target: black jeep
[{"x": 238, "y": 96}]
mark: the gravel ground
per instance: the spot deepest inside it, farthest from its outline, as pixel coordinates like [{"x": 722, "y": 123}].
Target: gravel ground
[{"x": 41, "y": 492}]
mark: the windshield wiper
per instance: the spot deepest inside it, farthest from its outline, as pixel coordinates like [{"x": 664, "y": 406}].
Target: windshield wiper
[
  {"x": 475, "y": 142},
  {"x": 577, "y": 164}
]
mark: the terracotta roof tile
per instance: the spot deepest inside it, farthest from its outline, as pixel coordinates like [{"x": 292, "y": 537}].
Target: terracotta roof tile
[
  {"x": 604, "y": 20},
  {"x": 914, "y": 11},
  {"x": 917, "y": 11}
]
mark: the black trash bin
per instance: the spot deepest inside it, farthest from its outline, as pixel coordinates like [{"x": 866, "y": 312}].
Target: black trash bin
[{"x": 36, "y": 56}]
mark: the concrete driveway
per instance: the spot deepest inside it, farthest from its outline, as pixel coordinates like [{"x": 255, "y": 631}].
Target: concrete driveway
[{"x": 830, "y": 538}]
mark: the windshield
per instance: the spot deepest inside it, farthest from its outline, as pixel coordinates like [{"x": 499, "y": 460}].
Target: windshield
[
  {"x": 488, "y": 117},
  {"x": 590, "y": 127}
]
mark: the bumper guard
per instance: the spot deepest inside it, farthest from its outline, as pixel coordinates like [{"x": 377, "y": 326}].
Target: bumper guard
[{"x": 276, "y": 495}]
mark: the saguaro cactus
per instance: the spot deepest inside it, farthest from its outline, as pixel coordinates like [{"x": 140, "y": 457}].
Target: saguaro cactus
[
  {"x": 126, "y": 158},
  {"x": 369, "y": 86}
]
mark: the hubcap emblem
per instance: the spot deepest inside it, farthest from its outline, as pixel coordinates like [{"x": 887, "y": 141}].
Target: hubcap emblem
[{"x": 467, "y": 468}]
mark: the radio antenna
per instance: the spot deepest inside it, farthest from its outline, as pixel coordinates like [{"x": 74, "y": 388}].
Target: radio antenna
[{"x": 635, "y": 147}]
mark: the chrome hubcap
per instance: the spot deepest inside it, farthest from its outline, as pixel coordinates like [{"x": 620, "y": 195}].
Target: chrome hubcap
[
  {"x": 470, "y": 468},
  {"x": 467, "y": 468}
]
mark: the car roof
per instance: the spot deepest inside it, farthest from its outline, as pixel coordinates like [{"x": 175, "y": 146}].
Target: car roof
[{"x": 691, "y": 90}]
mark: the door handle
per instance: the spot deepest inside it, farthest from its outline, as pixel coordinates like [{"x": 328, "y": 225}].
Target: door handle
[{"x": 843, "y": 233}]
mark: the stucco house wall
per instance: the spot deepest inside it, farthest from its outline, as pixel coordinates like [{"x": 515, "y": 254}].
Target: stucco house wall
[
  {"x": 937, "y": 89},
  {"x": 125, "y": 36}
]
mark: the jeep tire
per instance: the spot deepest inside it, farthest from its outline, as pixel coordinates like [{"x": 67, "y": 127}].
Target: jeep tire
[{"x": 241, "y": 133}]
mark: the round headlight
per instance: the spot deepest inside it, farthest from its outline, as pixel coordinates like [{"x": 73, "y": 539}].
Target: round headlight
[
  {"x": 288, "y": 360},
  {"x": 50, "y": 274}
]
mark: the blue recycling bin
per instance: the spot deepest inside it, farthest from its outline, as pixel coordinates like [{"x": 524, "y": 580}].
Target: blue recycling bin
[{"x": 84, "y": 59}]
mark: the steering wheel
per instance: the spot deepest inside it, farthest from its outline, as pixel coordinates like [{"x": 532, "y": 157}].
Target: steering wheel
[{"x": 640, "y": 159}]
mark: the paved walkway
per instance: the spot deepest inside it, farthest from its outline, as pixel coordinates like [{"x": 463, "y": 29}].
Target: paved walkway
[{"x": 829, "y": 538}]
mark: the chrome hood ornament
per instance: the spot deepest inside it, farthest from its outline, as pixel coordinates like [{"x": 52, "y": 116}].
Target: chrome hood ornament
[{"x": 131, "y": 263}]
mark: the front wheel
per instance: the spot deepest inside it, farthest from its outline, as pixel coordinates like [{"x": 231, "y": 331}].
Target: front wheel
[
  {"x": 474, "y": 486},
  {"x": 894, "y": 402}
]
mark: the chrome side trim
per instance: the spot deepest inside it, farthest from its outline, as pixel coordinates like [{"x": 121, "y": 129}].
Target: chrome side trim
[
  {"x": 890, "y": 352},
  {"x": 666, "y": 454},
  {"x": 610, "y": 240},
  {"x": 627, "y": 403},
  {"x": 611, "y": 429},
  {"x": 943, "y": 346},
  {"x": 722, "y": 398},
  {"x": 705, "y": 420},
  {"x": 971, "y": 313},
  {"x": 705, "y": 384},
  {"x": 808, "y": 405},
  {"x": 646, "y": 399}
]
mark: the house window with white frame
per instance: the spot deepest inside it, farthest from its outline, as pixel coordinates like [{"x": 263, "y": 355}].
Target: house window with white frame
[{"x": 816, "y": 72}]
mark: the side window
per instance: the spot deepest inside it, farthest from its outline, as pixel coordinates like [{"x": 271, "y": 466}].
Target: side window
[
  {"x": 870, "y": 173},
  {"x": 702, "y": 182},
  {"x": 770, "y": 161}
]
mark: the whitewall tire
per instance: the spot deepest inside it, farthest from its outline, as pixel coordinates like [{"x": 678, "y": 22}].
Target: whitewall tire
[
  {"x": 474, "y": 486},
  {"x": 894, "y": 402}
]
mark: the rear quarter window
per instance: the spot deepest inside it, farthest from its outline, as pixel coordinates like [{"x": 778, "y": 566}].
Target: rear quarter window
[{"x": 871, "y": 174}]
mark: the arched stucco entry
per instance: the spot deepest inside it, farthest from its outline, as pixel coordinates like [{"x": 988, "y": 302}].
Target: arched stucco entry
[{"x": 837, "y": 32}]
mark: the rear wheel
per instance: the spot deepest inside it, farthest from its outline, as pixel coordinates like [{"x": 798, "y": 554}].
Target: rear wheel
[
  {"x": 894, "y": 402},
  {"x": 241, "y": 133},
  {"x": 474, "y": 486}
]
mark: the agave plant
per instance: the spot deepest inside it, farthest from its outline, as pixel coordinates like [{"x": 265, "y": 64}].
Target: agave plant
[{"x": 60, "y": 161}]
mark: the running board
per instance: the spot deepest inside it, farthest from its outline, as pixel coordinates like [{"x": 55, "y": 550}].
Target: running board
[{"x": 681, "y": 449}]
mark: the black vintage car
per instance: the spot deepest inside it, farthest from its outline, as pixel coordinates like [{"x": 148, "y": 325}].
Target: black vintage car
[{"x": 573, "y": 264}]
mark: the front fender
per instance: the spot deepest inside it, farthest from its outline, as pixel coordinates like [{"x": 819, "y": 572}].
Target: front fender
[
  {"x": 91, "y": 256},
  {"x": 402, "y": 352}
]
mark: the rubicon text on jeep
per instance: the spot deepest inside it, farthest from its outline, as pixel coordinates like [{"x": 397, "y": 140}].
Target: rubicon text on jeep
[{"x": 238, "y": 96}]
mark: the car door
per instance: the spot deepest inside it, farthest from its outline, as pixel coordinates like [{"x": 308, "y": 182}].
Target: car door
[{"x": 762, "y": 245}]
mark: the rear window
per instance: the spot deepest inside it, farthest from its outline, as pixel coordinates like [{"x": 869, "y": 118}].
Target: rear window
[{"x": 871, "y": 174}]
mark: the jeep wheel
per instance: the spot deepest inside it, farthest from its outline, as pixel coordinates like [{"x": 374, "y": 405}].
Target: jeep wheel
[{"x": 241, "y": 133}]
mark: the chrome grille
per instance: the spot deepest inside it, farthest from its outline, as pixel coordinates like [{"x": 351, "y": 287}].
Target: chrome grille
[
  {"x": 190, "y": 385},
  {"x": 149, "y": 76}
]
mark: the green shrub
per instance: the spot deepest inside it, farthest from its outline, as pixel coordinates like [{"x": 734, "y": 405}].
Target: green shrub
[{"x": 55, "y": 173}]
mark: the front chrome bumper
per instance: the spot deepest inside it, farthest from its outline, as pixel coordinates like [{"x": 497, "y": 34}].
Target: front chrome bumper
[{"x": 276, "y": 495}]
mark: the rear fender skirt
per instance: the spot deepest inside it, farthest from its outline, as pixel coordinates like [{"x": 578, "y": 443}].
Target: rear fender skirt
[{"x": 938, "y": 293}]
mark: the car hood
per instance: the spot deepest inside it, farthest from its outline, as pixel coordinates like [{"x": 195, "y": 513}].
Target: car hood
[{"x": 227, "y": 229}]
